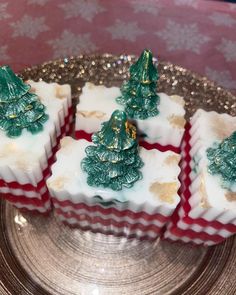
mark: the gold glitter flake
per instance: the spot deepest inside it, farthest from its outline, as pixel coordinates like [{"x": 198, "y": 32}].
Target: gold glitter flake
[
  {"x": 92, "y": 114},
  {"x": 172, "y": 160},
  {"x": 230, "y": 196},
  {"x": 165, "y": 191},
  {"x": 177, "y": 121}
]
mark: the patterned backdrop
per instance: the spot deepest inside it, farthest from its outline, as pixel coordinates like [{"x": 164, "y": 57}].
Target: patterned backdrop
[{"x": 197, "y": 34}]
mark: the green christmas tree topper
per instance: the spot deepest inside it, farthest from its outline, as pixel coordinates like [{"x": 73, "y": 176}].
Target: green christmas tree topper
[
  {"x": 139, "y": 94},
  {"x": 19, "y": 108},
  {"x": 114, "y": 161},
  {"x": 222, "y": 160}
]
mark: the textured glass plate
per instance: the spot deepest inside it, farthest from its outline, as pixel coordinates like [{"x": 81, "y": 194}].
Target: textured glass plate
[{"x": 40, "y": 256}]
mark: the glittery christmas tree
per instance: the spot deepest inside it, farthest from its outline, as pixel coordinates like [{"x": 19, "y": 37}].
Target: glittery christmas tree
[
  {"x": 113, "y": 161},
  {"x": 222, "y": 160},
  {"x": 139, "y": 94},
  {"x": 19, "y": 108}
]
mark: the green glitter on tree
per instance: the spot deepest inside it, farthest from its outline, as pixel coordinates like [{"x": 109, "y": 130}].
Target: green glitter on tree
[
  {"x": 139, "y": 95},
  {"x": 19, "y": 108},
  {"x": 114, "y": 161},
  {"x": 222, "y": 160}
]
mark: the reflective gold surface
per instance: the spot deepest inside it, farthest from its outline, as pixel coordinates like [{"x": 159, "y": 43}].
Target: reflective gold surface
[{"x": 40, "y": 256}]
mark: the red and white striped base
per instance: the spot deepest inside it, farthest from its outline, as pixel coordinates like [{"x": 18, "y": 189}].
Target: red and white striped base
[{"x": 110, "y": 220}]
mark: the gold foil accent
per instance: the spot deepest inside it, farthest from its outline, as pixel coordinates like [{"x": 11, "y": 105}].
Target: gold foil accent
[
  {"x": 21, "y": 160},
  {"x": 130, "y": 127},
  {"x": 165, "y": 191},
  {"x": 8, "y": 149},
  {"x": 92, "y": 114},
  {"x": 91, "y": 86},
  {"x": 222, "y": 128},
  {"x": 177, "y": 121},
  {"x": 58, "y": 183},
  {"x": 60, "y": 91},
  {"x": 172, "y": 160},
  {"x": 178, "y": 99},
  {"x": 66, "y": 141},
  {"x": 23, "y": 164},
  {"x": 12, "y": 116},
  {"x": 203, "y": 194},
  {"x": 230, "y": 196}
]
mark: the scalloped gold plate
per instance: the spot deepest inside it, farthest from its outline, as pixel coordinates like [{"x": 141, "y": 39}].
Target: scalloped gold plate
[{"x": 38, "y": 255}]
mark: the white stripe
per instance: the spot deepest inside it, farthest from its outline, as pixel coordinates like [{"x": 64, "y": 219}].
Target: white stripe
[
  {"x": 22, "y": 192},
  {"x": 41, "y": 209}
]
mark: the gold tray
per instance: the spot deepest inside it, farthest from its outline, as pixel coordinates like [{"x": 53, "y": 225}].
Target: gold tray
[{"x": 41, "y": 256}]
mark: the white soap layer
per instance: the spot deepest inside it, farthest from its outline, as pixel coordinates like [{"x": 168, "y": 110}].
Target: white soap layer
[
  {"x": 68, "y": 182},
  {"x": 24, "y": 158},
  {"x": 97, "y": 103}
]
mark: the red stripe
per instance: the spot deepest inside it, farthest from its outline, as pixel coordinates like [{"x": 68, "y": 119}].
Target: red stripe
[
  {"x": 80, "y": 134},
  {"x": 109, "y": 222},
  {"x": 196, "y": 235},
  {"x": 215, "y": 224},
  {"x": 157, "y": 146},
  {"x": 111, "y": 210},
  {"x": 26, "y": 200},
  {"x": 28, "y": 186}
]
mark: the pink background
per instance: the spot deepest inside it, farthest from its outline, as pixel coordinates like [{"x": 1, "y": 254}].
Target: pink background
[{"x": 197, "y": 34}]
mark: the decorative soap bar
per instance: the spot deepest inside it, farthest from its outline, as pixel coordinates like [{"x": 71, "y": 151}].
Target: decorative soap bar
[
  {"x": 158, "y": 116},
  {"x": 33, "y": 118},
  {"x": 207, "y": 213},
  {"x": 112, "y": 185}
]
